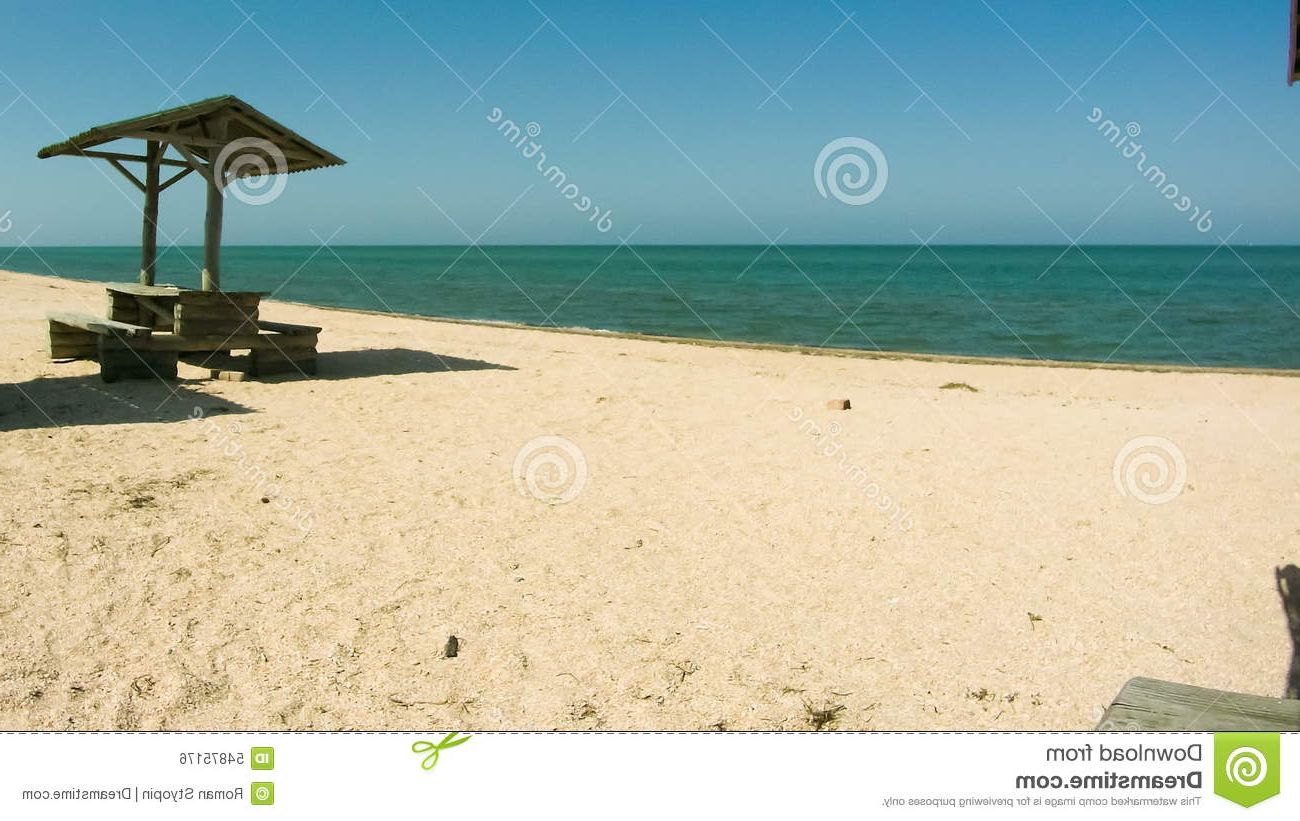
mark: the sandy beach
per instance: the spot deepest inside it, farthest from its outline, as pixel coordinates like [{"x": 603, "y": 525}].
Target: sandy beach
[{"x": 954, "y": 552}]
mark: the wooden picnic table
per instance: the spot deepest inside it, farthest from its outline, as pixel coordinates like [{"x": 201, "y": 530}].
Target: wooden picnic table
[{"x": 149, "y": 328}]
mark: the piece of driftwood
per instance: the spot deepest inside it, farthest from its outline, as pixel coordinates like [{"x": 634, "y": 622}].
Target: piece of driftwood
[{"x": 1150, "y": 705}]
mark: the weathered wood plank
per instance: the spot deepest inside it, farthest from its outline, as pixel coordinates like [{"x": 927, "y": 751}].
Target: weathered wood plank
[
  {"x": 283, "y": 354},
  {"x": 195, "y": 310},
  {"x": 67, "y": 351},
  {"x": 1152, "y": 705},
  {"x": 263, "y": 367},
  {"x": 215, "y": 327},
  {"x": 241, "y": 298},
  {"x": 158, "y": 309},
  {"x": 75, "y": 336},
  {"x": 99, "y": 325},
  {"x": 274, "y": 342},
  {"x": 173, "y": 342},
  {"x": 216, "y": 360},
  {"x": 119, "y": 361},
  {"x": 136, "y": 289},
  {"x": 59, "y": 329},
  {"x": 288, "y": 329}
]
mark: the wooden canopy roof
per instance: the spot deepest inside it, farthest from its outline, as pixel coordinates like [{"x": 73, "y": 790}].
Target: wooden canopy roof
[
  {"x": 221, "y": 139},
  {"x": 193, "y": 126}
]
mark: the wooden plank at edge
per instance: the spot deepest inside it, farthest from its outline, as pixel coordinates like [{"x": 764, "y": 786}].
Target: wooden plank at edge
[{"x": 1151, "y": 704}]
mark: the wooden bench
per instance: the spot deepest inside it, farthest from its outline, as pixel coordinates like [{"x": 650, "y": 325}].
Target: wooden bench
[
  {"x": 286, "y": 349},
  {"x": 121, "y": 348},
  {"x": 1151, "y": 705}
]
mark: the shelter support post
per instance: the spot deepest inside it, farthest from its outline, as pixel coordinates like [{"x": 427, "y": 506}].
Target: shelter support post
[
  {"x": 149, "y": 235},
  {"x": 212, "y": 237}
]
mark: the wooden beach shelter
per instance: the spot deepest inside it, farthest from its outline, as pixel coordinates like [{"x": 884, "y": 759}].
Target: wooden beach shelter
[{"x": 223, "y": 140}]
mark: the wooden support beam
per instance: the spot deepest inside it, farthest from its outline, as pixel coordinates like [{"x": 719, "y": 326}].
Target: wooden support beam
[
  {"x": 160, "y": 311},
  {"x": 115, "y": 155},
  {"x": 125, "y": 173},
  {"x": 177, "y": 138},
  {"x": 186, "y": 171},
  {"x": 214, "y": 144},
  {"x": 149, "y": 231},
  {"x": 193, "y": 162}
]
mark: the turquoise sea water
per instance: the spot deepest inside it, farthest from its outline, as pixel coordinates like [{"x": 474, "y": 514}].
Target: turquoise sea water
[{"x": 1206, "y": 306}]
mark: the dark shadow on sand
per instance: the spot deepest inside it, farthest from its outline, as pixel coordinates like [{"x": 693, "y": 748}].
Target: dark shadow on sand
[
  {"x": 72, "y": 401},
  {"x": 393, "y": 362},
  {"x": 1288, "y": 587}
]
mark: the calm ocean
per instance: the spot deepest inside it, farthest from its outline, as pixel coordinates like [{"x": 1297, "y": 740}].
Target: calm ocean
[{"x": 1209, "y": 308}]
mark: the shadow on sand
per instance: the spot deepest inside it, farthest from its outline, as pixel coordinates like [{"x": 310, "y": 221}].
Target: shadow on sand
[
  {"x": 394, "y": 362},
  {"x": 1288, "y": 587},
  {"x": 86, "y": 400}
]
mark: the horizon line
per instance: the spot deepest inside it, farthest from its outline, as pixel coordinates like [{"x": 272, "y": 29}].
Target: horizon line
[{"x": 21, "y": 246}]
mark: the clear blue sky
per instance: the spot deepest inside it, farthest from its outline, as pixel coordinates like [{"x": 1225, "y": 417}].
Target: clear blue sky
[{"x": 683, "y": 149}]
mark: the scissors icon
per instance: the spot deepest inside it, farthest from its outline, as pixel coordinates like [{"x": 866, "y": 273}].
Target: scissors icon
[{"x": 433, "y": 750}]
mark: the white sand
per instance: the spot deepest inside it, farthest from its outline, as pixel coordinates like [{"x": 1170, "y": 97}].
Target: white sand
[{"x": 715, "y": 570}]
